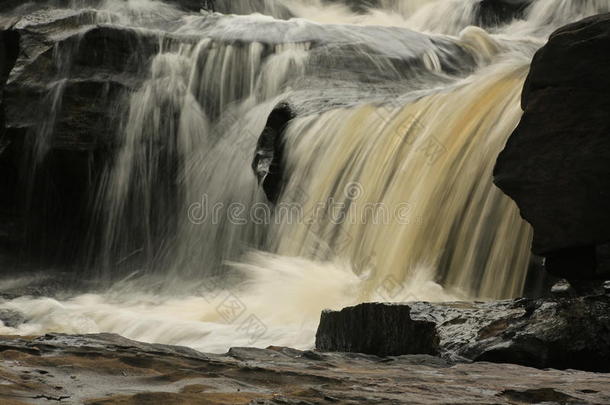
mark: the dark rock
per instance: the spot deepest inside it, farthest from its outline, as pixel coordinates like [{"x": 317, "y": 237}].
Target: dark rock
[
  {"x": 9, "y": 50},
  {"x": 51, "y": 283},
  {"x": 11, "y": 318},
  {"x": 358, "y": 6},
  {"x": 268, "y": 158},
  {"x": 565, "y": 262},
  {"x": 63, "y": 109},
  {"x": 602, "y": 256},
  {"x": 490, "y": 13},
  {"x": 379, "y": 329},
  {"x": 497, "y": 12},
  {"x": 95, "y": 67},
  {"x": 557, "y": 332},
  {"x": 273, "y": 7},
  {"x": 555, "y": 164},
  {"x": 188, "y": 5}
]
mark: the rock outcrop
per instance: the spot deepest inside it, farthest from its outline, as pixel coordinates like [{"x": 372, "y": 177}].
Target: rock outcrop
[
  {"x": 556, "y": 332},
  {"x": 108, "y": 369},
  {"x": 555, "y": 164}
]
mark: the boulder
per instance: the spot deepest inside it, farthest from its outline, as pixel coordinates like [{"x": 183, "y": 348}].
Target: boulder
[
  {"x": 555, "y": 164},
  {"x": 558, "y": 332},
  {"x": 379, "y": 329}
]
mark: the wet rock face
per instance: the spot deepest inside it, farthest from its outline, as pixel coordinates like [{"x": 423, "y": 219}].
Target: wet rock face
[
  {"x": 557, "y": 333},
  {"x": 10, "y": 318},
  {"x": 269, "y": 154},
  {"x": 109, "y": 369},
  {"x": 555, "y": 164},
  {"x": 490, "y": 13},
  {"x": 497, "y": 12},
  {"x": 380, "y": 329},
  {"x": 64, "y": 100},
  {"x": 90, "y": 71},
  {"x": 9, "y": 50}
]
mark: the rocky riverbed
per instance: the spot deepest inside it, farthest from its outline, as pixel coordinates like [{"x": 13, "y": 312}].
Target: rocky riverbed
[{"x": 109, "y": 369}]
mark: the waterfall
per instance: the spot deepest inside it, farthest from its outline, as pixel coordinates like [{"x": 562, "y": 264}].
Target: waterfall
[
  {"x": 180, "y": 132},
  {"x": 400, "y": 188},
  {"x": 387, "y": 194}
]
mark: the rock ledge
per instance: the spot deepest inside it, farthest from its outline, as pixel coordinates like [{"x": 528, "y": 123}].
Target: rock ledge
[{"x": 569, "y": 332}]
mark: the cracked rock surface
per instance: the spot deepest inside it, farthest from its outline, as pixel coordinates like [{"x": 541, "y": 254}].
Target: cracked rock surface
[{"x": 109, "y": 369}]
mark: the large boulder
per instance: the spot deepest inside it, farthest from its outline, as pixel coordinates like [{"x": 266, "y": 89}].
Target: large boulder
[
  {"x": 555, "y": 164},
  {"x": 562, "y": 333}
]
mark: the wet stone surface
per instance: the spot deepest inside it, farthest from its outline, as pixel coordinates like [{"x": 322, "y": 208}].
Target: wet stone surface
[
  {"x": 564, "y": 332},
  {"x": 109, "y": 369}
]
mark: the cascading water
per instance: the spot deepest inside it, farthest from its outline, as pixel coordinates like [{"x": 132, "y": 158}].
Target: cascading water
[
  {"x": 387, "y": 169},
  {"x": 410, "y": 187}
]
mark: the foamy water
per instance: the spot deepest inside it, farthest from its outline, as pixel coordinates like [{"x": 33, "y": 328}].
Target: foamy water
[{"x": 279, "y": 304}]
